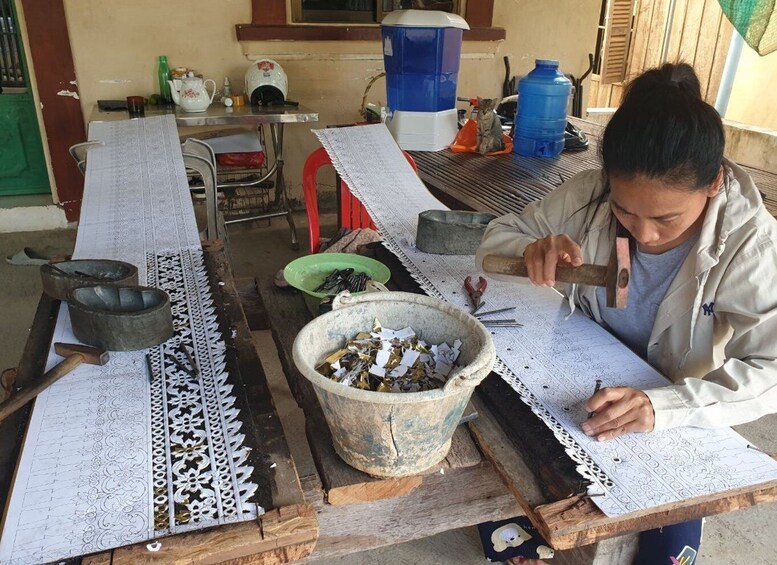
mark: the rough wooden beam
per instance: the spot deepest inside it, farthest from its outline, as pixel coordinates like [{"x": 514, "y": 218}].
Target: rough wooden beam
[{"x": 577, "y": 521}]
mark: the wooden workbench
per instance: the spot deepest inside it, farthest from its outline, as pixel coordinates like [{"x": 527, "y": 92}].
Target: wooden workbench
[
  {"x": 286, "y": 532},
  {"x": 516, "y": 444}
]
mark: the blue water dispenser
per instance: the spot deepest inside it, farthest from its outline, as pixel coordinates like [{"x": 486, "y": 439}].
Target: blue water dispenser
[{"x": 421, "y": 54}]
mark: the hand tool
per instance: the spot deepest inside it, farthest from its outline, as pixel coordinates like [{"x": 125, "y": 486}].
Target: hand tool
[
  {"x": 475, "y": 293},
  {"x": 189, "y": 358},
  {"x": 74, "y": 355},
  {"x": 614, "y": 276},
  {"x": 597, "y": 388},
  {"x": 499, "y": 311}
]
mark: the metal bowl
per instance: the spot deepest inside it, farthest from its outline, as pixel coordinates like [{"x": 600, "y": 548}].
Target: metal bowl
[
  {"x": 60, "y": 278},
  {"x": 120, "y": 318},
  {"x": 451, "y": 232}
]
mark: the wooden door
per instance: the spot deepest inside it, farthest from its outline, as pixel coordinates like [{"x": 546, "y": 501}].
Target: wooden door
[
  {"x": 22, "y": 163},
  {"x": 695, "y": 32}
]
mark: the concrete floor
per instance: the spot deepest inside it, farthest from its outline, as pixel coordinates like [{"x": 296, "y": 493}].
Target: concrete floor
[{"x": 260, "y": 250}]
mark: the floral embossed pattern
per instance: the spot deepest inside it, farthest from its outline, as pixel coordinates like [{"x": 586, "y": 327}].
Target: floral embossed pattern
[{"x": 111, "y": 458}]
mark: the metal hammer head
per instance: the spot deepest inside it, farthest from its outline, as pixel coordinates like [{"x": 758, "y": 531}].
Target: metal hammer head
[
  {"x": 91, "y": 355},
  {"x": 618, "y": 274}
]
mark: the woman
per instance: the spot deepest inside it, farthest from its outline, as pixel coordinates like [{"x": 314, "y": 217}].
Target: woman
[{"x": 702, "y": 300}]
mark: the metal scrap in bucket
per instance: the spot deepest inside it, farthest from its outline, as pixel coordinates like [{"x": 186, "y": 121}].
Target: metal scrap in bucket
[{"x": 386, "y": 360}]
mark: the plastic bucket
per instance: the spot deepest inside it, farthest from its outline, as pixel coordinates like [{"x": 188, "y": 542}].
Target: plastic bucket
[{"x": 394, "y": 434}]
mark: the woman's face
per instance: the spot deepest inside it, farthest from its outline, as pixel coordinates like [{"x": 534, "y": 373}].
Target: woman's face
[{"x": 659, "y": 215}]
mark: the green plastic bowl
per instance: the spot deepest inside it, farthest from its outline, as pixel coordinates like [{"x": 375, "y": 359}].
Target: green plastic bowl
[{"x": 308, "y": 272}]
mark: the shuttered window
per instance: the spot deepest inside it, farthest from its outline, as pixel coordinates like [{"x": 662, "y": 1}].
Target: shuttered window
[{"x": 616, "y": 39}]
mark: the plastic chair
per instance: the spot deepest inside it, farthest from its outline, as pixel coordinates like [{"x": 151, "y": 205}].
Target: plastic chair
[
  {"x": 78, "y": 153},
  {"x": 351, "y": 212},
  {"x": 199, "y": 157}
]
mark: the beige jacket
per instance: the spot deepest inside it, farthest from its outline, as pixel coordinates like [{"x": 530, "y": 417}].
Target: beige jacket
[{"x": 715, "y": 334}]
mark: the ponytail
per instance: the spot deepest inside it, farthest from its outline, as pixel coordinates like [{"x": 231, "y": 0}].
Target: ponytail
[{"x": 663, "y": 129}]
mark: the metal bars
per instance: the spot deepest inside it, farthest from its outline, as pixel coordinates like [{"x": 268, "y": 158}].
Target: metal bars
[{"x": 11, "y": 57}]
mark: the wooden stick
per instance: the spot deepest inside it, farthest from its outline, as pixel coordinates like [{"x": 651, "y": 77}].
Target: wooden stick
[
  {"x": 592, "y": 275},
  {"x": 74, "y": 354},
  {"x": 22, "y": 397}
]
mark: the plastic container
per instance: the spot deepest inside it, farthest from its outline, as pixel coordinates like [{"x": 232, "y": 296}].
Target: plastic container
[
  {"x": 308, "y": 272},
  {"x": 543, "y": 98},
  {"x": 421, "y": 54},
  {"x": 394, "y": 434}
]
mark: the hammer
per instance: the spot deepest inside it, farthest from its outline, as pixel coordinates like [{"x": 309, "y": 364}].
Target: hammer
[
  {"x": 74, "y": 355},
  {"x": 614, "y": 276}
]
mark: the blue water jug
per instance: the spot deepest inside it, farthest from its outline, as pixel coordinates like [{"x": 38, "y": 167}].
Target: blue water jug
[{"x": 543, "y": 97}]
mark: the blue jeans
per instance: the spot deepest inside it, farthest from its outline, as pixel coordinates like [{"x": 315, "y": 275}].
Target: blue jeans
[{"x": 671, "y": 545}]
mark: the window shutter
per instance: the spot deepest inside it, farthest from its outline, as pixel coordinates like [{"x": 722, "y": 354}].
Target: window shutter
[{"x": 617, "y": 36}]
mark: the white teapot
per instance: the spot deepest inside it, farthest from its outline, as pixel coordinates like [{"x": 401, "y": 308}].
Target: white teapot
[{"x": 193, "y": 96}]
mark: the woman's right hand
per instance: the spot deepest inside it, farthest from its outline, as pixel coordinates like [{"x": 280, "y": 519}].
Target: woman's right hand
[{"x": 543, "y": 255}]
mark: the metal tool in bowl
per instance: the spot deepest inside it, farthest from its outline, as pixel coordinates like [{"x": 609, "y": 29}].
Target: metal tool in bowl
[
  {"x": 307, "y": 273},
  {"x": 60, "y": 278},
  {"x": 451, "y": 232},
  {"x": 120, "y": 318}
]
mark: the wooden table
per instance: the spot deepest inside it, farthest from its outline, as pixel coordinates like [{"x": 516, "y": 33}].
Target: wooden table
[
  {"x": 276, "y": 117},
  {"x": 516, "y": 444},
  {"x": 286, "y": 532},
  {"x": 508, "y": 183}
]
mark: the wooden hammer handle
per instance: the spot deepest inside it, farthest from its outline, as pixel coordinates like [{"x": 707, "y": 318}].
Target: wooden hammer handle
[
  {"x": 591, "y": 275},
  {"x": 22, "y": 397}
]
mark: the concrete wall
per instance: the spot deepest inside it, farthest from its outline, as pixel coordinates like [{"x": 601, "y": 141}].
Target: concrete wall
[
  {"x": 115, "y": 45},
  {"x": 753, "y": 100}
]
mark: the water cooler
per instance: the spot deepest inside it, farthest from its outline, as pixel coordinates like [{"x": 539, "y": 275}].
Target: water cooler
[{"x": 421, "y": 53}]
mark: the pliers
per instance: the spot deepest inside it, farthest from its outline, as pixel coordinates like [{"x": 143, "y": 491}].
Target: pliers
[{"x": 475, "y": 293}]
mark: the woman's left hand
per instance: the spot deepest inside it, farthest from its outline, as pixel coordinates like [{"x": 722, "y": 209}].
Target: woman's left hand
[{"x": 618, "y": 411}]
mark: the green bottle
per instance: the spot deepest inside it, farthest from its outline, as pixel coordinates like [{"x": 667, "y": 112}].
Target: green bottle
[{"x": 164, "y": 76}]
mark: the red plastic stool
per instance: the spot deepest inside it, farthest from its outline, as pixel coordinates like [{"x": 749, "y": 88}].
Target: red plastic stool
[{"x": 352, "y": 214}]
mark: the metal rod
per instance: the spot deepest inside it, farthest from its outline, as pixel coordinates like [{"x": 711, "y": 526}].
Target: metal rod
[
  {"x": 729, "y": 73},
  {"x": 481, "y": 314},
  {"x": 150, "y": 370},
  {"x": 189, "y": 358},
  {"x": 260, "y": 217}
]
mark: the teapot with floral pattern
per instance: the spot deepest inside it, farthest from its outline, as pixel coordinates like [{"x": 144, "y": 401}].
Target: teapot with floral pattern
[{"x": 193, "y": 96}]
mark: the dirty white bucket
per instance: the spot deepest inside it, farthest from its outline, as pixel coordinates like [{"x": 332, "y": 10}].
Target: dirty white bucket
[{"x": 394, "y": 434}]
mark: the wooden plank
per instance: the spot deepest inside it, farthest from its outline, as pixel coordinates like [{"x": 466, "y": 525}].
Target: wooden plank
[
  {"x": 460, "y": 498},
  {"x": 616, "y": 93},
  {"x": 656, "y": 34},
  {"x": 31, "y": 367},
  {"x": 532, "y": 438},
  {"x": 593, "y": 92},
  {"x": 252, "y": 305},
  {"x": 676, "y": 35},
  {"x": 725, "y": 33},
  {"x": 280, "y": 536},
  {"x": 691, "y": 31},
  {"x": 577, "y": 521},
  {"x": 641, "y": 37},
  {"x": 274, "y": 469},
  {"x": 52, "y": 58},
  {"x": 707, "y": 45},
  {"x": 288, "y": 530}
]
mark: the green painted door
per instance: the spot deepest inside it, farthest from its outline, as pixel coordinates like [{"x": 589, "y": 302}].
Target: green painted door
[{"x": 22, "y": 164}]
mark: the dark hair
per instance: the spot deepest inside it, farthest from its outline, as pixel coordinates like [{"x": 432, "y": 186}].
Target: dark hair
[{"x": 663, "y": 129}]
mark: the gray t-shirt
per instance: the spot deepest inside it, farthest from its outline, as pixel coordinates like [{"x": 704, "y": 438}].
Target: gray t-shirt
[{"x": 651, "y": 276}]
